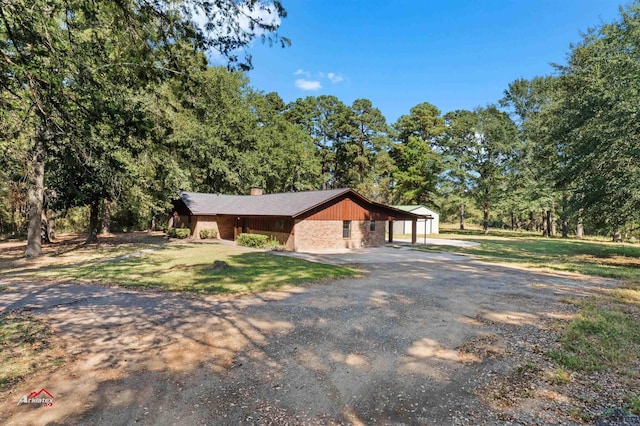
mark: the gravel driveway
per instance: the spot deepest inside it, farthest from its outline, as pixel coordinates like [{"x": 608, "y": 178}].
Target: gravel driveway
[{"x": 409, "y": 343}]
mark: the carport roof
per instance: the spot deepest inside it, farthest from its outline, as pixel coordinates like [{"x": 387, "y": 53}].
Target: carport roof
[
  {"x": 288, "y": 204},
  {"x": 408, "y": 208},
  {"x": 412, "y": 208}
]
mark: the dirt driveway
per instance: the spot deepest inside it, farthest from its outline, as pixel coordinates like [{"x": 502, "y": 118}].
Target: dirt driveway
[{"x": 419, "y": 340}]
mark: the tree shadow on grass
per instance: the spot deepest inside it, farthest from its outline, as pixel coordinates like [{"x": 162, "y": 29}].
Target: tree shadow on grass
[
  {"x": 72, "y": 251},
  {"x": 255, "y": 272},
  {"x": 175, "y": 271}
]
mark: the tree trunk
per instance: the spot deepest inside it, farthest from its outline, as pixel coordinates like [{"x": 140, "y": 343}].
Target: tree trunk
[
  {"x": 106, "y": 217},
  {"x": 532, "y": 222},
  {"x": 51, "y": 229},
  {"x": 14, "y": 225},
  {"x": 485, "y": 221},
  {"x": 36, "y": 197},
  {"x": 553, "y": 227},
  {"x": 461, "y": 214},
  {"x": 513, "y": 221},
  {"x": 580, "y": 226},
  {"x": 93, "y": 222},
  {"x": 545, "y": 223},
  {"x": 44, "y": 227},
  {"x": 565, "y": 221}
]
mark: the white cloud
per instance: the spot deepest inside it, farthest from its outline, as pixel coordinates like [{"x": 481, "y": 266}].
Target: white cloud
[
  {"x": 309, "y": 80},
  {"x": 335, "y": 78},
  {"x": 303, "y": 84}
]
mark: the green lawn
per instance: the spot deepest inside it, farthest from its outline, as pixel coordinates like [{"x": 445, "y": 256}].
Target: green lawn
[
  {"x": 185, "y": 267},
  {"x": 621, "y": 261}
]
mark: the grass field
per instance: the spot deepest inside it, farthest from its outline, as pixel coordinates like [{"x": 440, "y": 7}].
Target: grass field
[
  {"x": 70, "y": 249},
  {"x": 174, "y": 267},
  {"x": 604, "y": 259},
  {"x": 186, "y": 268}
]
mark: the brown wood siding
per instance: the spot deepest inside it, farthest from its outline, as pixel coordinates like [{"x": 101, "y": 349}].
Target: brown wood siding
[
  {"x": 278, "y": 228},
  {"x": 269, "y": 224},
  {"x": 346, "y": 209}
]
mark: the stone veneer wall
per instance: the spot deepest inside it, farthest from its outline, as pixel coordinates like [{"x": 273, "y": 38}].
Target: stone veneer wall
[{"x": 327, "y": 234}]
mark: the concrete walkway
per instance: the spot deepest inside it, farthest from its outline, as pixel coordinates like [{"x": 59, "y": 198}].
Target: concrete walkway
[{"x": 438, "y": 242}]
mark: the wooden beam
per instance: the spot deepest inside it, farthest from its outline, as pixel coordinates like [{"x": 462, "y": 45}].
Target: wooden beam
[
  {"x": 414, "y": 231},
  {"x": 391, "y": 231}
]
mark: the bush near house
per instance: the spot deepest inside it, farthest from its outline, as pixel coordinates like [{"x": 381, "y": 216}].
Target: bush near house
[
  {"x": 253, "y": 240},
  {"x": 178, "y": 232},
  {"x": 208, "y": 233}
]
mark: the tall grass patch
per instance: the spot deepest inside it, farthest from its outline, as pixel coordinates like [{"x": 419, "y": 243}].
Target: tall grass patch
[{"x": 602, "y": 336}]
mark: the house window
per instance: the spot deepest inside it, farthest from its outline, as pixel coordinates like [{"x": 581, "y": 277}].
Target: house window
[
  {"x": 372, "y": 226},
  {"x": 346, "y": 229}
]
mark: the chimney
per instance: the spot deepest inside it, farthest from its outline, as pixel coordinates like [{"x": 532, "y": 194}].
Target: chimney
[{"x": 256, "y": 190}]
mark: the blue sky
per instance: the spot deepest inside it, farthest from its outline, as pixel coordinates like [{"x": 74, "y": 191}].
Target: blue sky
[{"x": 453, "y": 54}]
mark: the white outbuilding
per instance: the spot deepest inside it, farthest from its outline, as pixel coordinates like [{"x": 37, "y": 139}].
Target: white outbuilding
[{"x": 425, "y": 226}]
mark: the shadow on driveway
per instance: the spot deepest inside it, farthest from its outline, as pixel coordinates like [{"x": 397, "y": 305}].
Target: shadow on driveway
[{"x": 383, "y": 349}]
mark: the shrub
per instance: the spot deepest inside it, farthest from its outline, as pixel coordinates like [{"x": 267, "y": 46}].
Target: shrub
[
  {"x": 182, "y": 232},
  {"x": 253, "y": 240},
  {"x": 208, "y": 233},
  {"x": 76, "y": 219},
  {"x": 178, "y": 232},
  {"x": 274, "y": 244}
]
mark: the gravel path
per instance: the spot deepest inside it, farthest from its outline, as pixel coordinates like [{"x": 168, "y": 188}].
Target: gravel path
[{"x": 412, "y": 342}]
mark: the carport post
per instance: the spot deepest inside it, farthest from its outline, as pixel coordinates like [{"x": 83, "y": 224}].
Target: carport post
[
  {"x": 414, "y": 231},
  {"x": 391, "y": 231}
]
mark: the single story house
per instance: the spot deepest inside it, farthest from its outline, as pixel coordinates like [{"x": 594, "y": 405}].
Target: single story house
[
  {"x": 306, "y": 220},
  {"x": 429, "y": 224}
]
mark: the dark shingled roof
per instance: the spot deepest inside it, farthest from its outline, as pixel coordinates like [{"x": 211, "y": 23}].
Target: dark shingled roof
[{"x": 290, "y": 204}]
